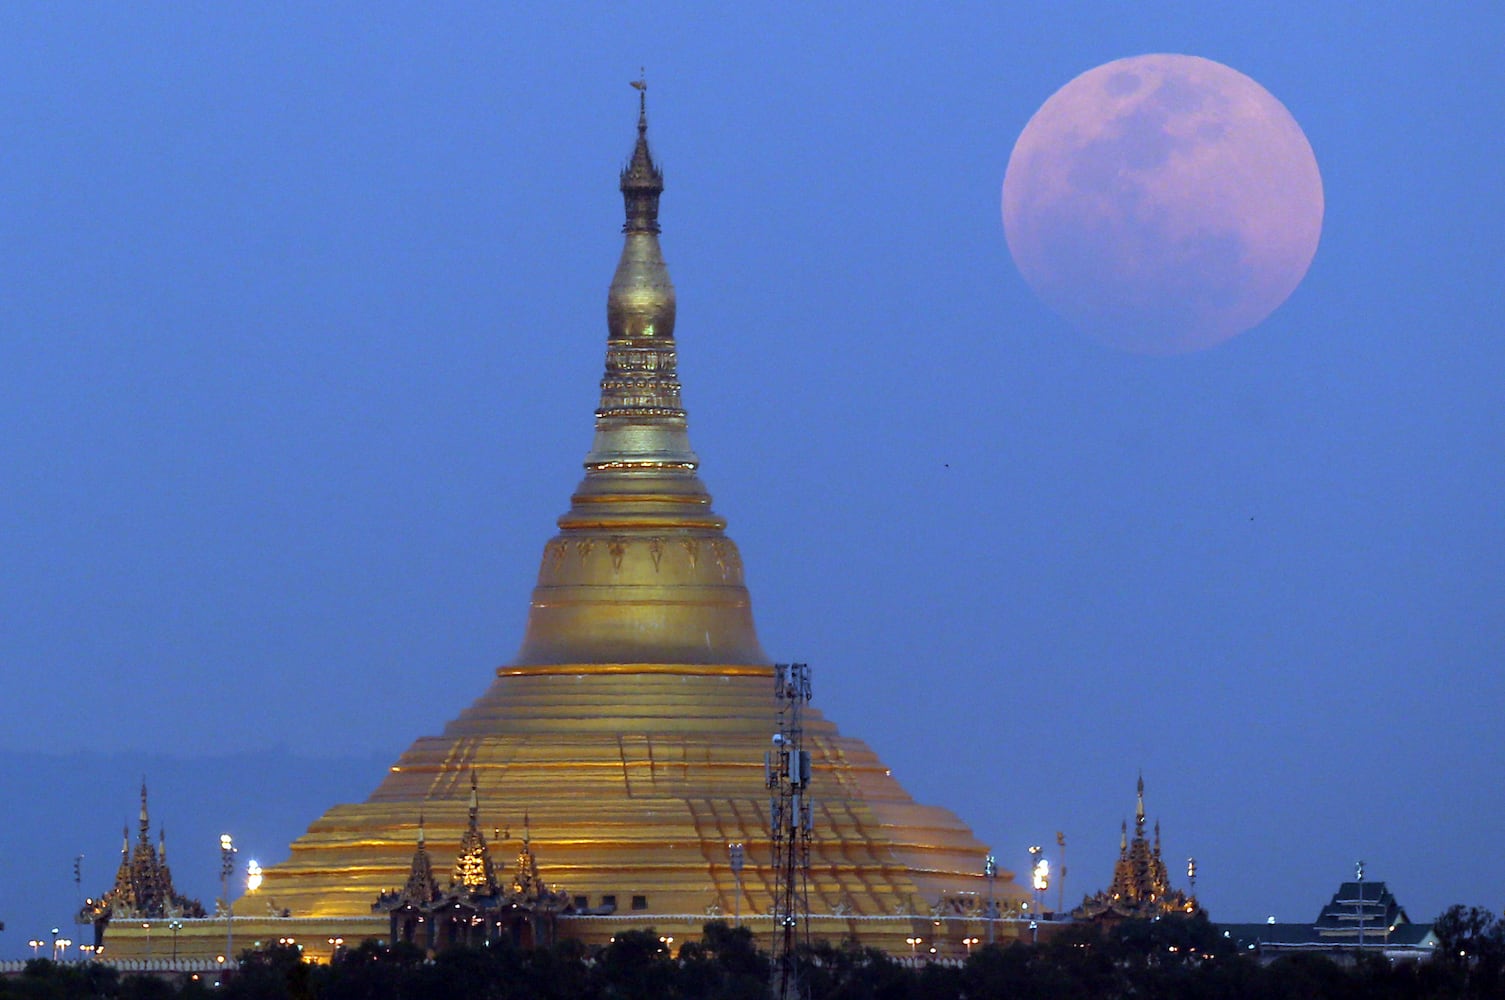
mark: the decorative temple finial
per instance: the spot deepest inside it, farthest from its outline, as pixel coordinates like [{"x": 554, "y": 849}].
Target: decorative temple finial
[
  {"x": 145, "y": 822},
  {"x": 641, "y": 85},
  {"x": 641, "y": 181},
  {"x": 1123, "y": 840},
  {"x": 1139, "y": 810},
  {"x": 475, "y": 798},
  {"x": 420, "y": 829}
]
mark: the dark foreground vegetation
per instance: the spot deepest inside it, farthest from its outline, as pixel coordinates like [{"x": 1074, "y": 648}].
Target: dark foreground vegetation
[{"x": 1171, "y": 958}]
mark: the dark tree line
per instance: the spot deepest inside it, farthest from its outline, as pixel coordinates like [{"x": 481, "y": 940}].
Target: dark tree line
[{"x": 1170, "y": 958}]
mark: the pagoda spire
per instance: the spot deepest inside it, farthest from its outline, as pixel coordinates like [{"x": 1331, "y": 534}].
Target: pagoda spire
[
  {"x": 145, "y": 821},
  {"x": 1139, "y": 809},
  {"x": 642, "y": 574},
  {"x": 422, "y": 888},
  {"x": 474, "y": 873}
]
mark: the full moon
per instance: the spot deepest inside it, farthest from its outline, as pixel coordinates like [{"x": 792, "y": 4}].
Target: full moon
[{"x": 1162, "y": 203}]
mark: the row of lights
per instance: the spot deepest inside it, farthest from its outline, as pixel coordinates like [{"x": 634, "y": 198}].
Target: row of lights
[{"x": 60, "y": 945}]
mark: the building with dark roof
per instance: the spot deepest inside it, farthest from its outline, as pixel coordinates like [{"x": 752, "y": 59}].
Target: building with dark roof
[{"x": 1361, "y": 916}]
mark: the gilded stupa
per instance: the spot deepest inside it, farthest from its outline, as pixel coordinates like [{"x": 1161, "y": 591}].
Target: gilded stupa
[{"x": 631, "y": 726}]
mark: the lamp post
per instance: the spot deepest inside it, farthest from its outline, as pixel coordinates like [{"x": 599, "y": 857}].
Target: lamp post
[
  {"x": 226, "y": 869},
  {"x": 54, "y": 943},
  {"x": 175, "y": 926},
  {"x": 147, "y": 927},
  {"x": 913, "y": 943},
  {"x": 36, "y": 945},
  {"x": 969, "y": 942},
  {"x": 63, "y": 946},
  {"x": 990, "y": 870},
  {"x": 1039, "y": 876},
  {"x": 738, "y": 856},
  {"x": 1061, "y": 875},
  {"x": 1358, "y": 875}
]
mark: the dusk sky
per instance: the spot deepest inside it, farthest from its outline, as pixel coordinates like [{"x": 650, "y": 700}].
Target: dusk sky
[{"x": 302, "y": 317}]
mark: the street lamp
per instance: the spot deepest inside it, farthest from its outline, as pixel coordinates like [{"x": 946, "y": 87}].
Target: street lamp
[
  {"x": 738, "y": 856},
  {"x": 990, "y": 870},
  {"x": 36, "y": 945},
  {"x": 54, "y": 943},
  {"x": 1039, "y": 875},
  {"x": 226, "y": 869},
  {"x": 969, "y": 942},
  {"x": 253, "y": 875},
  {"x": 335, "y": 944},
  {"x": 913, "y": 943},
  {"x": 63, "y": 945},
  {"x": 175, "y": 926}
]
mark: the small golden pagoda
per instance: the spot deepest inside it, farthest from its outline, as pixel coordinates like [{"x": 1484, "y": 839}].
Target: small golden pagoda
[
  {"x": 632, "y": 724},
  {"x": 1141, "y": 887}
]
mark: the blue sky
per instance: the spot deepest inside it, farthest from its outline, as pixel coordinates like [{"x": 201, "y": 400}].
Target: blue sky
[{"x": 302, "y": 314}]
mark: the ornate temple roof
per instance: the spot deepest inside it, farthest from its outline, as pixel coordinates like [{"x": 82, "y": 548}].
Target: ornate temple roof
[
  {"x": 421, "y": 889},
  {"x": 1141, "y": 886},
  {"x": 474, "y": 874},
  {"x": 1358, "y": 902},
  {"x": 143, "y": 882}
]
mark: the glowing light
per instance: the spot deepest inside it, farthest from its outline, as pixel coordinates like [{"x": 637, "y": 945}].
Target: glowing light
[
  {"x": 253, "y": 875},
  {"x": 1039, "y": 869}
]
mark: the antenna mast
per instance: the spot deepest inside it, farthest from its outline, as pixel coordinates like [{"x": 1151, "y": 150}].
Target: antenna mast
[{"x": 786, "y": 772}]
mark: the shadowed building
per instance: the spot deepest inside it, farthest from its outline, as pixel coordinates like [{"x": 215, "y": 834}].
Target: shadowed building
[
  {"x": 632, "y": 724},
  {"x": 1361, "y": 916}
]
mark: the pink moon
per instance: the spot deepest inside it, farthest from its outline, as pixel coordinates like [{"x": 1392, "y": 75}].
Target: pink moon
[{"x": 1163, "y": 203}]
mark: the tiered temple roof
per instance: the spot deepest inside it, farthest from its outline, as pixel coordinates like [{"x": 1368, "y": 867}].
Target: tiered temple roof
[
  {"x": 1141, "y": 886},
  {"x": 475, "y": 909},
  {"x": 143, "y": 883}
]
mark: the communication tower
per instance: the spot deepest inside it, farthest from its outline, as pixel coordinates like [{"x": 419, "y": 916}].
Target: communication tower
[{"x": 786, "y": 772}]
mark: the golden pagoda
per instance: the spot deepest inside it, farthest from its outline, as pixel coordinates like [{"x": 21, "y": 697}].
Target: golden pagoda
[{"x": 631, "y": 726}]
